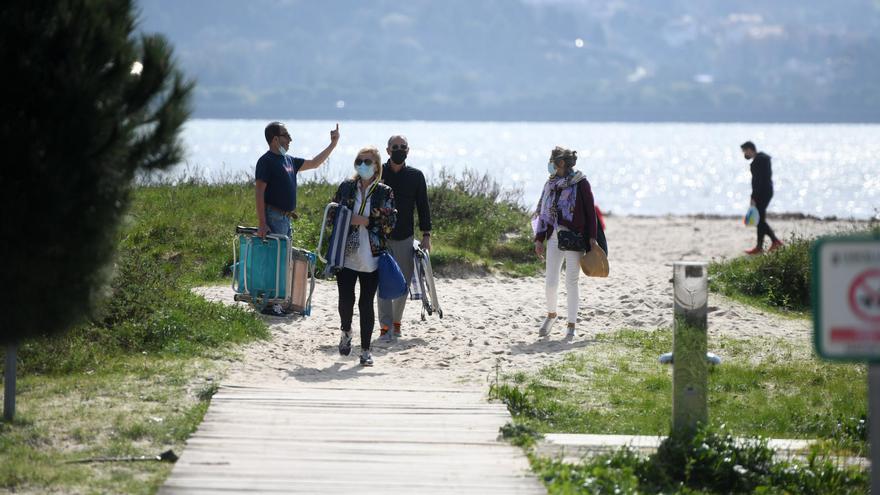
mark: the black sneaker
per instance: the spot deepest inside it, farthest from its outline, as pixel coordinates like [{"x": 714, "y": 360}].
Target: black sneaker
[
  {"x": 366, "y": 359},
  {"x": 345, "y": 344}
]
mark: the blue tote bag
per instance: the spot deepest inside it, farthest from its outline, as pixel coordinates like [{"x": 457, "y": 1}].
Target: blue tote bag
[{"x": 391, "y": 282}]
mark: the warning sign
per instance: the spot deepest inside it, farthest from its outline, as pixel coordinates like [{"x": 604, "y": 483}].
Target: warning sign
[
  {"x": 846, "y": 298},
  {"x": 864, "y": 295}
]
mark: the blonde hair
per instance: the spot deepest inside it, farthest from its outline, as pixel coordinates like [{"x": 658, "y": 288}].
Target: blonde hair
[{"x": 375, "y": 156}]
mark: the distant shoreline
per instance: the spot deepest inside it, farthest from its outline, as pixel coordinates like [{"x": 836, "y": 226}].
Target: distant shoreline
[
  {"x": 561, "y": 120},
  {"x": 786, "y": 215}
]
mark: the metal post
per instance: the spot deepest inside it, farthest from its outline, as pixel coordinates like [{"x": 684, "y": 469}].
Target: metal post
[
  {"x": 689, "y": 341},
  {"x": 874, "y": 424},
  {"x": 9, "y": 383}
]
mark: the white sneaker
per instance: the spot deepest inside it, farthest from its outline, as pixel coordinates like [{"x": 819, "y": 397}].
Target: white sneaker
[
  {"x": 366, "y": 358},
  {"x": 570, "y": 333}
]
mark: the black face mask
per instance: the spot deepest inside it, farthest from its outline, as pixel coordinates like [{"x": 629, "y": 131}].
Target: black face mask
[{"x": 398, "y": 156}]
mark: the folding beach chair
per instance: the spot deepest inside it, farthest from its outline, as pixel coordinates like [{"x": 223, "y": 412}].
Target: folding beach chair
[
  {"x": 271, "y": 271},
  {"x": 422, "y": 285},
  {"x": 338, "y": 235}
]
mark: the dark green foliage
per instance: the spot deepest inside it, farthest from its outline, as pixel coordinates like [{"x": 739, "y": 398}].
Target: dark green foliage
[
  {"x": 780, "y": 278},
  {"x": 77, "y": 125},
  {"x": 519, "y": 434},
  {"x": 712, "y": 462},
  {"x": 148, "y": 311},
  {"x": 474, "y": 215}
]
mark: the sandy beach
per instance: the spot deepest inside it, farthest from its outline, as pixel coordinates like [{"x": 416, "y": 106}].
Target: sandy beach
[{"x": 491, "y": 323}]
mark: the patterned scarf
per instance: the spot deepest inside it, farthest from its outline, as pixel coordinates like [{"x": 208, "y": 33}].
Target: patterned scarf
[{"x": 558, "y": 197}]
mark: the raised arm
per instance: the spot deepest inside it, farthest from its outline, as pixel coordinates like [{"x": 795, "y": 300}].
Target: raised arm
[{"x": 321, "y": 157}]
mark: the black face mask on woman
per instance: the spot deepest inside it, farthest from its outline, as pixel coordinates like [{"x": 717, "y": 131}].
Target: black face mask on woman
[{"x": 398, "y": 156}]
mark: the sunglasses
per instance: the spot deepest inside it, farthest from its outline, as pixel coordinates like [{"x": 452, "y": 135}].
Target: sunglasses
[
  {"x": 368, "y": 161},
  {"x": 395, "y": 147},
  {"x": 285, "y": 135}
]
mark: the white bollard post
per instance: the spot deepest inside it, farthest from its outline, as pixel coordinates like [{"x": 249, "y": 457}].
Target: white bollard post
[{"x": 690, "y": 369}]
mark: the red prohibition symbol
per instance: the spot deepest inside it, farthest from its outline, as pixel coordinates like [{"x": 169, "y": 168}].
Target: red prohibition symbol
[{"x": 864, "y": 295}]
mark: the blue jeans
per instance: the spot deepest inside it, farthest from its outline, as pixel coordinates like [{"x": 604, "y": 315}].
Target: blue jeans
[{"x": 278, "y": 223}]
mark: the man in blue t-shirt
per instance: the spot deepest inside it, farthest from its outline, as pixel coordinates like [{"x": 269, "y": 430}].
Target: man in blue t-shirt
[{"x": 276, "y": 179}]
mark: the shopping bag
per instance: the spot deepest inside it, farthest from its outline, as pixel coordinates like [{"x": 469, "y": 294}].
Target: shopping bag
[
  {"x": 752, "y": 217},
  {"x": 391, "y": 282}
]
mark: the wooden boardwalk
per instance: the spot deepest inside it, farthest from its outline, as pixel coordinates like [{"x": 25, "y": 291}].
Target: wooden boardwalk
[{"x": 307, "y": 439}]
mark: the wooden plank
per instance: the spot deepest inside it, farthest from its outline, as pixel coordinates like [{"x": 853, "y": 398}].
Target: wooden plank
[{"x": 294, "y": 439}]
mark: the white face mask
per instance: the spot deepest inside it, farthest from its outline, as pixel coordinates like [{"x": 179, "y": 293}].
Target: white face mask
[
  {"x": 282, "y": 150},
  {"x": 551, "y": 168},
  {"x": 365, "y": 171}
]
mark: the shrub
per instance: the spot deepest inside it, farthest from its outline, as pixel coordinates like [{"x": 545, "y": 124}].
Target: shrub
[
  {"x": 710, "y": 462},
  {"x": 779, "y": 279}
]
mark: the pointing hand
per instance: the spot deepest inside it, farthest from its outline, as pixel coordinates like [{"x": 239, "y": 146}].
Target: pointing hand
[{"x": 334, "y": 134}]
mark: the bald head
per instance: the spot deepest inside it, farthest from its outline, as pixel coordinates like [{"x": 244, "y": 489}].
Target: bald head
[{"x": 398, "y": 149}]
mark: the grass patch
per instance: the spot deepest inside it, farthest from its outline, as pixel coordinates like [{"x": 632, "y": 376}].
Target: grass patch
[
  {"x": 764, "y": 388},
  {"x": 778, "y": 281},
  {"x": 769, "y": 388},
  {"x": 131, "y": 406}
]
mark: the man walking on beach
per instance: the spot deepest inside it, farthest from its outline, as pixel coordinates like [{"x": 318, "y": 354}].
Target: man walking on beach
[
  {"x": 762, "y": 193},
  {"x": 275, "y": 176},
  {"x": 410, "y": 193}
]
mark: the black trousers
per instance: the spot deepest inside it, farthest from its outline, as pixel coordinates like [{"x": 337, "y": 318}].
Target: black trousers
[
  {"x": 763, "y": 226},
  {"x": 345, "y": 280}
]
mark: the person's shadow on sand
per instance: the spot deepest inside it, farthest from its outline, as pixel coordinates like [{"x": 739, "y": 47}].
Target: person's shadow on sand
[
  {"x": 331, "y": 373},
  {"x": 546, "y": 345},
  {"x": 381, "y": 348}
]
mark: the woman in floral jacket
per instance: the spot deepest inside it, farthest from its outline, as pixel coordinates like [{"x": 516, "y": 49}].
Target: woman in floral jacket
[
  {"x": 372, "y": 220},
  {"x": 566, "y": 220}
]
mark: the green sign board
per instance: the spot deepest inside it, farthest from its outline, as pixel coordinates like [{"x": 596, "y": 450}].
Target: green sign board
[{"x": 846, "y": 298}]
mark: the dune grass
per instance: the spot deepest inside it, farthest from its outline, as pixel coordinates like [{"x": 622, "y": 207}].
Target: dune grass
[
  {"x": 477, "y": 226},
  {"x": 768, "y": 388},
  {"x": 778, "y": 281}
]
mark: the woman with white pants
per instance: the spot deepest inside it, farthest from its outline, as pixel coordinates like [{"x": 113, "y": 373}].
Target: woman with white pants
[{"x": 566, "y": 221}]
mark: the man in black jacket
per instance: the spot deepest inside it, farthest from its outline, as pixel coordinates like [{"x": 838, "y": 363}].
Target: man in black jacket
[
  {"x": 410, "y": 195},
  {"x": 762, "y": 193}
]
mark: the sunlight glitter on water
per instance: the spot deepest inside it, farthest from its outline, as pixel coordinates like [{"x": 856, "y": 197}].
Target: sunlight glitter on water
[{"x": 642, "y": 168}]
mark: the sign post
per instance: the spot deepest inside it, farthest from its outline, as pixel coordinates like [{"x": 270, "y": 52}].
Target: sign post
[{"x": 846, "y": 316}]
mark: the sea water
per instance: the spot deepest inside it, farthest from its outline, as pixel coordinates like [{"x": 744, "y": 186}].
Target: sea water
[{"x": 634, "y": 168}]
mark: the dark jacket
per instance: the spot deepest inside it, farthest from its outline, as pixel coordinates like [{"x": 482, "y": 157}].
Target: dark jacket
[
  {"x": 410, "y": 193},
  {"x": 762, "y": 178},
  {"x": 383, "y": 215}
]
